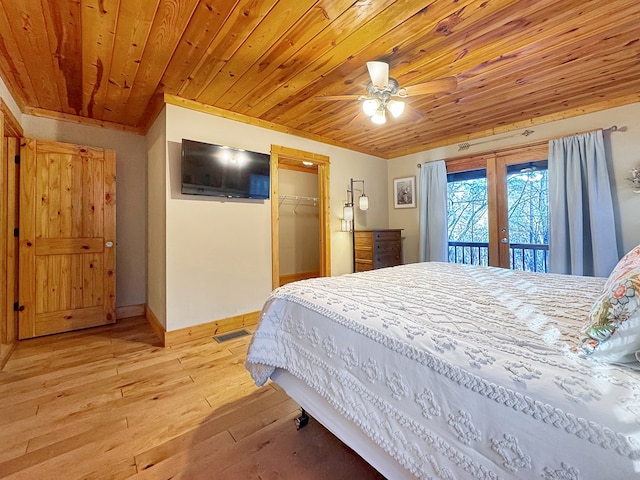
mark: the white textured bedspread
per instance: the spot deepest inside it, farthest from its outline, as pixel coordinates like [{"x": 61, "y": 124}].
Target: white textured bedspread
[{"x": 459, "y": 371}]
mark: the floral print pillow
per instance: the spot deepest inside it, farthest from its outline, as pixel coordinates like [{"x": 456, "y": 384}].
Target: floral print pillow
[
  {"x": 626, "y": 265},
  {"x": 612, "y": 332}
]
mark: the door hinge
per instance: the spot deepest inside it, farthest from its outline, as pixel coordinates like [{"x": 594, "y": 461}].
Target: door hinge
[
  {"x": 16, "y": 159},
  {"x": 16, "y": 306},
  {"x": 16, "y": 232}
]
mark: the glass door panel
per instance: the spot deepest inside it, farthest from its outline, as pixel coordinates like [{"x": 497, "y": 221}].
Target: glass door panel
[
  {"x": 468, "y": 217},
  {"x": 527, "y": 229}
]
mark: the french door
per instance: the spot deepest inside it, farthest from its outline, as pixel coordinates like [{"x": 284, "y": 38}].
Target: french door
[{"x": 498, "y": 209}]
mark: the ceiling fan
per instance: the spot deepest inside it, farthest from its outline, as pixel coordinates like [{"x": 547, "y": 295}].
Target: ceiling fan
[{"x": 382, "y": 88}]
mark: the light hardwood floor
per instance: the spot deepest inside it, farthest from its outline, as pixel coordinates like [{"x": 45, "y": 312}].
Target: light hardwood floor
[{"x": 109, "y": 403}]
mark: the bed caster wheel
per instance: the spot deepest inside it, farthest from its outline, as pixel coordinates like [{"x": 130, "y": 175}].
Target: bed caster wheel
[{"x": 302, "y": 420}]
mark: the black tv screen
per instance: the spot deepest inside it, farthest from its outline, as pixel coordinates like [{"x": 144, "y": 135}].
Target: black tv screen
[{"x": 222, "y": 171}]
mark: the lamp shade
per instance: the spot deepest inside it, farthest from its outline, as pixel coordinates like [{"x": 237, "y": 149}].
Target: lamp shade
[
  {"x": 379, "y": 117},
  {"x": 396, "y": 107},
  {"x": 364, "y": 202},
  {"x": 347, "y": 213},
  {"x": 370, "y": 106}
]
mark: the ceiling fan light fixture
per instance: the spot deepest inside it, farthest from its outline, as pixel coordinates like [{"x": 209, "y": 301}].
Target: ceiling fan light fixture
[
  {"x": 385, "y": 93},
  {"x": 370, "y": 106},
  {"x": 396, "y": 107},
  {"x": 379, "y": 117}
]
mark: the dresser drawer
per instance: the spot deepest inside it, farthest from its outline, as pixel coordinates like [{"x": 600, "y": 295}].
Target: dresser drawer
[
  {"x": 363, "y": 266},
  {"x": 363, "y": 242},
  {"x": 377, "y": 249},
  {"x": 366, "y": 255},
  {"x": 387, "y": 260},
  {"x": 387, "y": 247},
  {"x": 386, "y": 235}
]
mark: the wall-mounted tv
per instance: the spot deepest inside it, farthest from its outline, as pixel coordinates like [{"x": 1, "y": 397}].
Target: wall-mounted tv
[{"x": 222, "y": 171}]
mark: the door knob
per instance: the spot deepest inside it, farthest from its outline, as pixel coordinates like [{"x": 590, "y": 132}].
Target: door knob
[
  {"x": 109, "y": 244},
  {"x": 505, "y": 240}
]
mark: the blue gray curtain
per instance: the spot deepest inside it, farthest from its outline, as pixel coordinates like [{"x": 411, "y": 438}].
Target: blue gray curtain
[
  {"x": 433, "y": 212},
  {"x": 581, "y": 222}
]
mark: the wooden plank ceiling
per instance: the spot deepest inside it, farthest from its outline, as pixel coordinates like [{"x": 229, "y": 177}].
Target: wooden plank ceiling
[{"x": 517, "y": 62}]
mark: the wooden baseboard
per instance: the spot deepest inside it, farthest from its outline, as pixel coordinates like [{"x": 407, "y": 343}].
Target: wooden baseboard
[
  {"x": 210, "y": 329},
  {"x": 157, "y": 327},
  {"x": 294, "y": 277},
  {"x": 5, "y": 352},
  {"x": 203, "y": 330},
  {"x": 129, "y": 311}
]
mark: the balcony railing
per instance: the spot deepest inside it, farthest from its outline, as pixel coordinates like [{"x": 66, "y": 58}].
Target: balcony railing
[
  {"x": 528, "y": 257},
  {"x": 471, "y": 253}
]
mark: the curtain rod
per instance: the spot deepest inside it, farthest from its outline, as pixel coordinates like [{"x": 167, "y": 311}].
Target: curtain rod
[{"x": 612, "y": 128}]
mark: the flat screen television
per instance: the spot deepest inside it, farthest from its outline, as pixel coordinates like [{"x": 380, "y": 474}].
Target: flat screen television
[{"x": 221, "y": 171}]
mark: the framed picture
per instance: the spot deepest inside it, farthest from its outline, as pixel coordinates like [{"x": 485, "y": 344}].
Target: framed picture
[{"x": 404, "y": 192}]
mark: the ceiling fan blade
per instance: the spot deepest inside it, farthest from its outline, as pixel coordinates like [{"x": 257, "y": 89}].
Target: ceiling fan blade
[
  {"x": 379, "y": 73},
  {"x": 441, "y": 85},
  {"x": 330, "y": 98},
  {"x": 412, "y": 114},
  {"x": 360, "y": 118}
]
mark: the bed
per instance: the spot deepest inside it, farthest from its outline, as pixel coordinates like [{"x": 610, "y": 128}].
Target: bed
[{"x": 435, "y": 370}]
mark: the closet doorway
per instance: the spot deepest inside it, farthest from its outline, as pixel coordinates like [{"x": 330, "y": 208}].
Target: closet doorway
[{"x": 299, "y": 215}]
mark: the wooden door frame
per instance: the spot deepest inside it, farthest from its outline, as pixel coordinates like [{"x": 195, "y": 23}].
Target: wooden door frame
[
  {"x": 11, "y": 132},
  {"x": 279, "y": 155}
]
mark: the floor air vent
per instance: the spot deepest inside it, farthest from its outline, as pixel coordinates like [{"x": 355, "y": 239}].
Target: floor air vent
[{"x": 225, "y": 337}]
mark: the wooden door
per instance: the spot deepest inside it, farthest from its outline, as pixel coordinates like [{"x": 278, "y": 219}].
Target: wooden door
[{"x": 67, "y": 238}]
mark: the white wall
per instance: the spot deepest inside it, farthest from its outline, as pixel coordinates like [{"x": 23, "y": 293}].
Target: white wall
[
  {"x": 11, "y": 103},
  {"x": 624, "y": 154},
  {"x": 219, "y": 251},
  {"x": 156, "y": 218}
]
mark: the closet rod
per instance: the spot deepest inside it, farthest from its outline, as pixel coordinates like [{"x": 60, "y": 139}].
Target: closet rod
[
  {"x": 297, "y": 197},
  {"x": 612, "y": 128}
]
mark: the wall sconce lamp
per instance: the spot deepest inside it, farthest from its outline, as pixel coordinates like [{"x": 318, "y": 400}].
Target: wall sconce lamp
[
  {"x": 347, "y": 210},
  {"x": 635, "y": 179}
]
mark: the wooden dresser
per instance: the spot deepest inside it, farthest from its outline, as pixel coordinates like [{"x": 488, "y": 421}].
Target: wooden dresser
[{"x": 377, "y": 249}]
